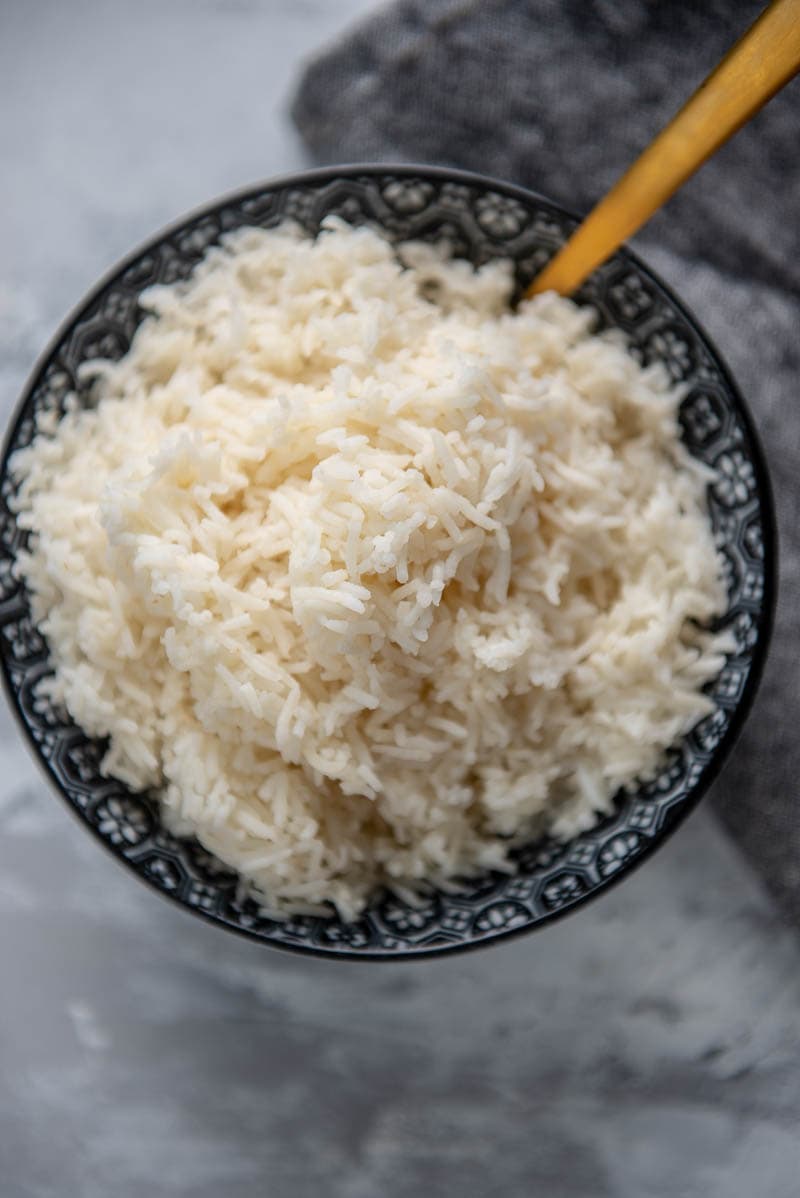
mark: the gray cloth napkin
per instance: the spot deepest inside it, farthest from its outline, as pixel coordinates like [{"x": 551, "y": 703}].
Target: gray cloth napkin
[{"x": 560, "y": 95}]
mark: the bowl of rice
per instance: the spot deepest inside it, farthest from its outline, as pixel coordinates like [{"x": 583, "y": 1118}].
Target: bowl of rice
[{"x": 360, "y": 607}]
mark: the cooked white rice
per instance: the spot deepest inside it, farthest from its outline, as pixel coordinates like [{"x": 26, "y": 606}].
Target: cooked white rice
[{"x": 371, "y": 586}]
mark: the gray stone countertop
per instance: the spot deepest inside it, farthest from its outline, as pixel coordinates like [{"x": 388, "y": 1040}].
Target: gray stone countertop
[{"x": 647, "y": 1047}]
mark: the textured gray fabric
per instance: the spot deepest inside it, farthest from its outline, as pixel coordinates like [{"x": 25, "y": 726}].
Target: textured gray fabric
[{"x": 560, "y": 95}]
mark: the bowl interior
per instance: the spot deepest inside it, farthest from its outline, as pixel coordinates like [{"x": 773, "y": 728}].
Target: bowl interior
[{"x": 480, "y": 219}]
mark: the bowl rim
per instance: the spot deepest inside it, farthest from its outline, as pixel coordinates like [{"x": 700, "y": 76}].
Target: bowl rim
[{"x": 765, "y": 623}]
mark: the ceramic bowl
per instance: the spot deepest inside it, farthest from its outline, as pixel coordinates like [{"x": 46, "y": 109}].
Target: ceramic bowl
[{"x": 482, "y": 219}]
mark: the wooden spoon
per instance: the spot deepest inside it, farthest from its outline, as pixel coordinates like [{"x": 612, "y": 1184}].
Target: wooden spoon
[{"x": 758, "y": 66}]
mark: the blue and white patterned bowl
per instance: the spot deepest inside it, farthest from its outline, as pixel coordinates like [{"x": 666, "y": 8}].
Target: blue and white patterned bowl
[{"x": 482, "y": 219}]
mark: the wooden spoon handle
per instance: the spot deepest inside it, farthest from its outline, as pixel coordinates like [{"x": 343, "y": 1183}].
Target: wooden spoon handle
[{"x": 760, "y": 63}]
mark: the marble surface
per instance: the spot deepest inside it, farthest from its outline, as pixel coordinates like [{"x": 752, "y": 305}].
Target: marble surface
[{"x": 648, "y": 1047}]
